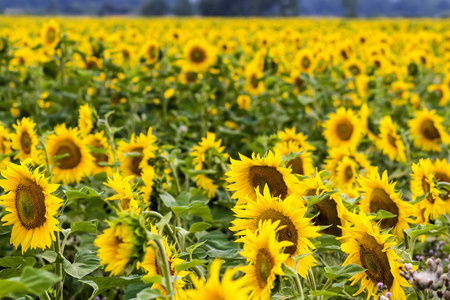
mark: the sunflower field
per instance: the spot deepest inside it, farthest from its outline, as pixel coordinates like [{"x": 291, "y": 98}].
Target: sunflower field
[{"x": 224, "y": 158}]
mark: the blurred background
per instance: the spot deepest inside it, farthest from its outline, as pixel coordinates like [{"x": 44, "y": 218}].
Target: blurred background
[{"x": 346, "y": 8}]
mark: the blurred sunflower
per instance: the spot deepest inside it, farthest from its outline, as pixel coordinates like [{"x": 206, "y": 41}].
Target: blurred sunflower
[
  {"x": 247, "y": 174},
  {"x": 265, "y": 256},
  {"x": 199, "y": 55},
  {"x": 148, "y": 175},
  {"x": 30, "y": 205},
  {"x": 304, "y": 61},
  {"x": 214, "y": 288},
  {"x": 5, "y": 146},
  {"x": 254, "y": 83},
  {"x": 302, "y": 164},
  {"x": 427, "y": 130},
  {"x": 151, "y": 51},
  {"x": 346, "y": 177},
  {"x": 379, "y": 194},
  {"x": 69, "y": 155},
  {"x": 290, "y": 135},
  {"x": 25, "y": 140},
  {"x": 372, "y": 250},
  {"x": 337, "y": 155},
  {"x": 289, "y": 213},
  {"x": 101, "y": 151},
  {"x": 390, "y": 141},
  {"x": 85, "y": 117},
  {"x": 441, "y": 91},
  {"x": 342, "y": 129},
  {"x": 50, "y": 34}
]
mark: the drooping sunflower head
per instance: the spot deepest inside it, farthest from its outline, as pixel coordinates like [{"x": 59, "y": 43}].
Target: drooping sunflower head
[
  {"x": 25, "y": 140},
  {"x": 248, "y": 174},
  {"x": 302, "y": 164},
  {"x": 390, "y": 141},
  {"x": 50, "y": 34},
  {"x": 264, "y": 254},
  {"x": 92, "y": 63},
  {"x": 148, "y": 175},
  {"x": 31, "y": 207},
  {"x": 199, "y": 55},
  {"x": 427, "y": 130},
  {"x": 378, "y": 194},
  {"x": 374, "y": 252},
  {"x": 207, "y": 148},
  {"x": 86, "y": 118},
  {"x": 290, "y": 214},
  {"x": 101, "y": 151},
  {"x": 342, "y": 129},
  {"x": 214, "y": 288},
  {"x": 69, "y": 155},
  {"x": 137, "y": 152},
  {"x": 124, "y": 192}
]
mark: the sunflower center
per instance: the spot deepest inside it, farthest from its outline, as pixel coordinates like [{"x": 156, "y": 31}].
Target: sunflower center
[
  {"x": 191, "y": 76},
  {"x": 254, "y": 81},
  {"x": 72, "y": 152},
  {"x": 348, "y": 173},
  {"x": 379, "y": 199},
  {"x": 392, "y": 140},
  {"x": 426, "y": 189},
  {"x": 375, "y": 261},
  {"x": 297, "y": 166},
  {"x": 51, "y": 34},
  {"x": 30, "y": 204},
  {"x": 25, "y": 142},
  {"x": 136, "y": 161},
  {"x": 299, "y": 82},
  {"x": 344, "y": 130},
  {"x": 355, "y": 70},
  {"x": 306, "y": 62},
  {"x": 259, "y": 176},
  {"x": 443, "y": 177},
  {"x": 328, "y": 215},
  {"x": 288, "y": 233},
  {"x": 152, "y": 52},
  {"x": 264, "y": 265},
  {"x": 429, "y": 131},
  {"x": 197, "y": 55}
]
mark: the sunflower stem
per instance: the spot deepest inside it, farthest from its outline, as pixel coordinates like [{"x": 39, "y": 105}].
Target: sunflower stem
[
  {"x": 299, "y": 286},
  {"x": 167, "y": 227},
  {"x": 47, "y": 160},
  {"x": 174, "y": 172},
  {"x": 164, "y": 265},
  {"x": 46, "y": 296},
  {"x": 58, "y": 269},
  {"x": 110, "y": 135}
]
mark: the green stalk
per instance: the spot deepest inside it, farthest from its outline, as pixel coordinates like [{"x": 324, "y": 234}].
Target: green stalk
[
  {"x": 169, "y": 231},
  {"x": 164, "y": 265},
  {"x": 58, "y": 270}
]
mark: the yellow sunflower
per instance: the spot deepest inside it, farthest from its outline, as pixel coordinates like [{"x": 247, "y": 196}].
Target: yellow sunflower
[
  {"x": 379, "y": 194},
  {"x": 151, "y": 265},
  {"x": 290, "y": 135},
  {"x": 151, "y": 51},
  {"x": 289, "y": 212},
  {"x": 115, "y": 247},
  {"x": 101, "y": 151},
  {"x": 304, "y": 61},
  {"x": 199, "y": 55},
  {"x": 147, "y": 178},
  {"x": 25, "y": 140},
  {"x": 423, "y": 182},
  {"x": 346, "y": 177},
  {"x": 248, "y": 174},
  {"x": 370, "y": 249},
  {"x": 442, "y": 91},
  {"x": 331, "y": 210},
  {"x": 85, "y": 119},
  {"x": 390, "y": 141},
  {"x": 50, "y": 34},
  {"x": 69, "y": 155},
  {"x": 92, "y": 63},
  {"x": 427, "y": 130},
  {"x": 5, "y": 146},
  {"x": 143, "y": 148},
  {"x": 124, "y": 191},
  {"x": 265, "y": 257},
  {"x": 200, "y": 152},
  {"x": 244, "y": 102},
  {"x": 302, "y": 164},
  {"x": 30, "y": 205},
  {"x": 442, "y": 173},
  {"x": 254, "y": 83},
  {"x": 214, "y": 288},
  {"x": 337, "y": 155},
  {"x": 342, "y": 129}
]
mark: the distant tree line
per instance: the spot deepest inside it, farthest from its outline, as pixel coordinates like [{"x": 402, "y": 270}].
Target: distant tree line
[{"x": 349, "y": 8}]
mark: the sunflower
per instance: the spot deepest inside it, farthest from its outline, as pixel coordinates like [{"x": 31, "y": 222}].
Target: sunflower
[
  {"x": 143, "y": 148},
  {"x": 85, "y": 117},
  {"x": 298, "y": 83},
  {"x": 5, "y": 146},
  {"x": 302, "y": 164},
  {"x": 248, "y": 174},
  {"x": 390, "y": 141},
  {"x": 354, "y": 67},
  {"x": 304, "y": 61},
  {"x": 92, "y": 63},
  {"x": 441, "y": 91},
  {"x": 265, "y": 256},
  {"x": 290, "y": 135},
  {"x": 346, "y": 177},
  {"x": 151, "y": 265},
  {"x": 101, "y": 151},
  {"x": 379, "y": 194},
  {"x": 207, "y": 184},
  {"x": 199, "y": 55},
  {"x": 50, "y": 34},
  {"x": 427, "y": 130},
  {"x": 25, "y": 140},
  {"x": 331, "y": 210},
  {"x": 254, "y": 83},
  {"x": 115, "y": 247},
  {"x": 442, "y": 173},
  {"x": 423, "y": 182},
  {"x": 208, "y": 146},
  {"x": 342, "y": 129},
  {"x": 121, "y": 185},
  {"x": 148, "y": 175},
  {"x": 290, "y": 213},
  {"x": 188, "y": 76},
  {"x": 151, "y": 51},
  {"x": 214, "y": 288},
  {"x": 244, "y": 102},
  {"x": 70, "y": 157},
  {"x": 31, "y": 207},
  {"x": 370, "y": 249},
  {"x": 337, "y": 155}
]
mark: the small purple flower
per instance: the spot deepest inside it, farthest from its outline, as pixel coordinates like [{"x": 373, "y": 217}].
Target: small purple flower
[
  {"x": 388, "y": 294},
  {"x": 97, "y": 298},
  {"x": 379, "y": 284}
]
